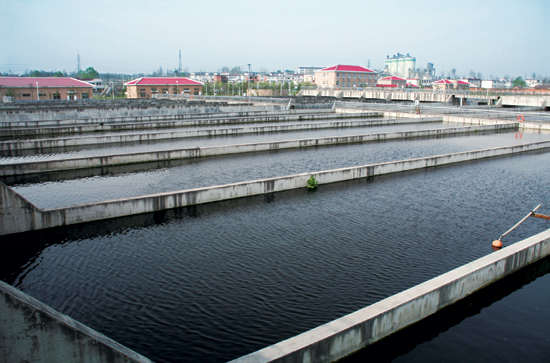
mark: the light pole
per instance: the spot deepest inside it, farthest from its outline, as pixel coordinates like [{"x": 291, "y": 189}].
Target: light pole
[
  {"x": 113, "y": 90},
  {"x": 37, "y": 92},
  {"x": 177, "y": 88},
  {"x": 248, "y": 90}
]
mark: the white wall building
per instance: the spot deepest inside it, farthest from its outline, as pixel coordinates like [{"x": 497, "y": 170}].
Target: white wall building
[
  {"x": 532, "y": 82},
  {"x": 496, "y": 83}
]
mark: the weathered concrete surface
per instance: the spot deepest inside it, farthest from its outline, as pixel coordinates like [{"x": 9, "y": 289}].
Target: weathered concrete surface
[
  {"x": 27, "y": 217},
  {"x": 346, "y": 335},
  {"x": 31, "y": 331},
  {"x": 484, "y": 121},
  {"x": 155, "y": 136},
  {"x": 174, "y": 121},
  {"x": 196, "y": 152},
  {"x": 455, "y": 118},
  {"x": 533, "y": 101},
  {"x": 123, "y": 114}
]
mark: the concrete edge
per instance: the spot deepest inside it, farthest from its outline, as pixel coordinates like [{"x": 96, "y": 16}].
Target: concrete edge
[
  {"x": 48, "y": 166},
  {"x": 169, "y": 135},
  {"x": 98, "y": 340},
  {"x": 19, "y": 215},
  {"x": 350, "y": 333}
]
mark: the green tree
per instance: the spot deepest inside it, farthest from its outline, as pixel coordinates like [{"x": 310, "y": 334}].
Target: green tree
[
  {"x": 236, "y": 70},
  {"x": 89, "y": 73},
  {"x": 519, "y": 82}
]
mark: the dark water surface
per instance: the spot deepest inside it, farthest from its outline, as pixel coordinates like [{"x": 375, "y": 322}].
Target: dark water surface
[
  {"x": 203, "y": 172},
  {"x": 213, "y": 282},
  {"x": 505, "y": 322}
]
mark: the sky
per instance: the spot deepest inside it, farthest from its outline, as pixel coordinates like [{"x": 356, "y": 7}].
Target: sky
[{"x": 492, "y": 37}]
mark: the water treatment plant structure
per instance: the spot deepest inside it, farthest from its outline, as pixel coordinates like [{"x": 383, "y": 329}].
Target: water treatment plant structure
[{"x": 35, "y": 133}]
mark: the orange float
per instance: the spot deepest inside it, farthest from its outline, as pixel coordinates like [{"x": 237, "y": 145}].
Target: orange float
[
  {"x": 497, "y": 243},
  {"x": 521, "y": 118}
]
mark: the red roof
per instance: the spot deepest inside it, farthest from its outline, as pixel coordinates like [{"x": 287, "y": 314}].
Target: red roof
[
  {"x": 413, "y": 85},
  {"x": 443, "y": 81},
  {"x": 386, "y": 85},
  {"x": 392, "y": 78},
  {"x": 446, "y": 81},
  {"x": 24, "y": 82},
  {"x": 344, "y": 68},
  {"x": 163, "y": 81}
]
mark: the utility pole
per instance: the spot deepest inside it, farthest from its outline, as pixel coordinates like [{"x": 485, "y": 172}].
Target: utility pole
[
  {"x": 248, "y": 91},
  {"x": 78, "y": 63}
]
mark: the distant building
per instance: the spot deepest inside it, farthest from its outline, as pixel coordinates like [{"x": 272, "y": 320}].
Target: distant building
[
  {"x": 202, "y": 77},
  {"x": 475, "y": 81},
  {"x": 308, "y": 70},
  {"x": 506, "y": 83},
  {"x": 425, "y": 82},
  {"x": 97, "y": 85},
  {"x": 309, "y": 78},
  {"x": 452, "y": 84},
  {"x": 147, "y": 87},
  {"x": 282, "y": 77},
  {"x": 222, "y": 78},
  {"x": 532, "y": 82},
  {"x": 45, "y": 88},
  {"x": 341, "y": 76},
  {"x": 430, "y": 70},
  {"x": 392, "y": 81},
  {"x": 401, "y": 65},
  {"x": 496, "y": 84}
]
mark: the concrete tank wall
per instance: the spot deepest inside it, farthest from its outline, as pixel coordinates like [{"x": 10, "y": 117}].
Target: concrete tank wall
[
  {"x": 159, "y": 135},
  {"x": 31, "y": 331},
  {"x": 346, "y": 335},
  {"x": 27, "y": 217},
  {"x": 145, "y": 123},
  {"x": 196, "y": 152},
  {"x": 157, "y": 119},
  {"x": 120, "y": 114}
]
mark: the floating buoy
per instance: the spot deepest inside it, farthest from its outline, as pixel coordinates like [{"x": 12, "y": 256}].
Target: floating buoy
[
  {"x": 521, "y": 118},
  {"x": 497, "y": 243}
]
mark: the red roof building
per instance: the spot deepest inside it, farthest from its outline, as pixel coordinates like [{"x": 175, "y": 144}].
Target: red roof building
[
  {"x": 344, "y": 76},
  {"x": 392, "y": 81},
  {"x": 147, "y": 87},
  {"x": 452, "y": 84},
  {"x": 44, "y": 88}
]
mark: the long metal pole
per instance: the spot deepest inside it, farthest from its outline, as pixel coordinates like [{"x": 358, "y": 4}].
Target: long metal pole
[{"x": 520, "y": 222}]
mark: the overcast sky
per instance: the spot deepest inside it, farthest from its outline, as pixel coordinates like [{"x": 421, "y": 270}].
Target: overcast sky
[{"x": 493, "y": 37}]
